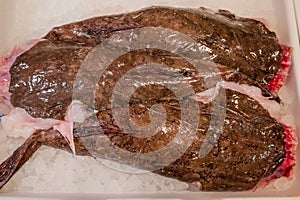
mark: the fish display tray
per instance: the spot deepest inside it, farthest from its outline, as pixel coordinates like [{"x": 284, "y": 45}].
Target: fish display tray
[{"x": 25, "y": 20}]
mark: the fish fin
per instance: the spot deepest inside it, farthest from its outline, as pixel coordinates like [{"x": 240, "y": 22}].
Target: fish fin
[{"x": 20, "y": 156}]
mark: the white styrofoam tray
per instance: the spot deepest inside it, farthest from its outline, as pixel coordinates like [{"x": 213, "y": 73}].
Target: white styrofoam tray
[
  {"x": 297, "y": 11},
  {"x": 24, "y": 20}
]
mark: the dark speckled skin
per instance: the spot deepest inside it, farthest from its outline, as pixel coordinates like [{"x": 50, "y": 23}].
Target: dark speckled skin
[
  {"x": 250, "y": 149},
  {"x": 239, "y": 43},
  {"x": 250, "y": 52},
  {"x": 252, "y": 145}
]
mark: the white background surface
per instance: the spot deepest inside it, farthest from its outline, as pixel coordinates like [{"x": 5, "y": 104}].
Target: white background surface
[{"x": 297, "y": 11}]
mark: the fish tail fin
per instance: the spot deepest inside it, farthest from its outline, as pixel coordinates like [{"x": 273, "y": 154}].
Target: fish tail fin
[{"x": 20, "y": 156}]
